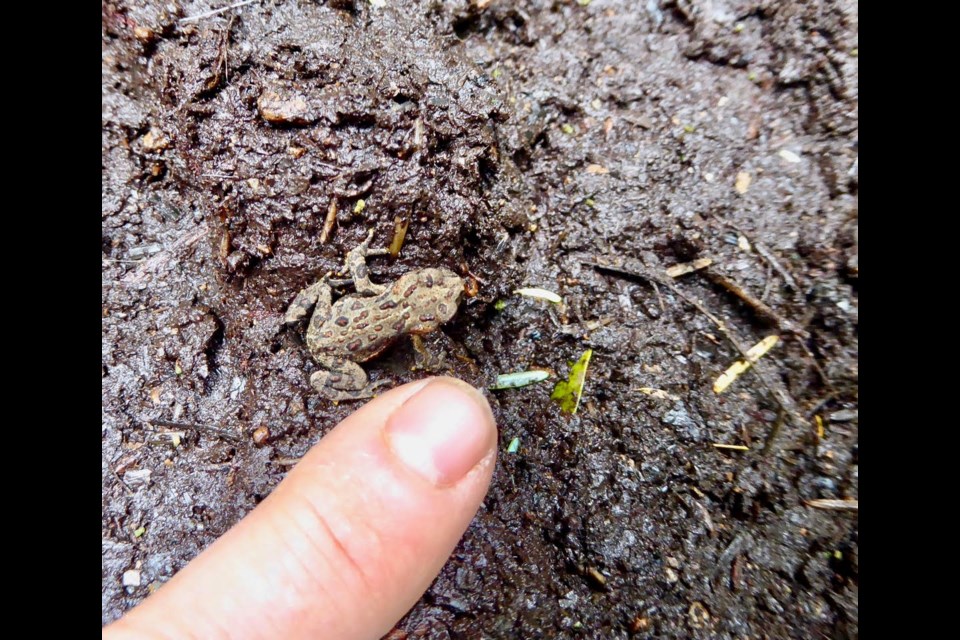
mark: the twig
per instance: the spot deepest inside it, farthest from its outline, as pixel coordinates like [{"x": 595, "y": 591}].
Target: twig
[
  {"x": 827, "y": 399},
  {"x": 836, "y": 505},
  {"x": 217, "y": 431},
  {"x": 767, "y": 285},
  {"x": 761, "y": 308},
  {"x": 780, "y": 397},
  {"x": 328, "y": 222},
  {"x": 767, "y": 255},
  {"x": 214, "y": 12},
  {"x": 784, "y": 325},
  {"x": 223, "y": 65},
  {"x": 684, "y": 268},
  {"x": 707, "y": 520}
]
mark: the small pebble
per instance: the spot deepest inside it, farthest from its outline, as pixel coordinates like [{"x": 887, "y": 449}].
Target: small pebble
[
  {"x": 131, "y": 578},
  {"x": 698, "y": 615},
  {"x": 283, "y": 109},
  {"x": 260, "y": 436}
]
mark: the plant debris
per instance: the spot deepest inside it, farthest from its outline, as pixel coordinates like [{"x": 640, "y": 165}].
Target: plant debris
[
  {"x": 684, "y": 268},
  {"x": 568, "y": 392},
  {"x": 789, "y": 156},
  {"x": 659, "y": 394},
  {"x": 753, "y": 354},
  {"x": 519, "y": 379},
  {"x": 329, "y": 222},
  {"x": 540, "y": 294},
  {"x": 837, "y": 505},
  {"x": 400, "y": 226}
]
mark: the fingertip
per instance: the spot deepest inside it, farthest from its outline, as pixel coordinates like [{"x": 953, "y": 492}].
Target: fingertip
[{"x": 443, "y": 431}]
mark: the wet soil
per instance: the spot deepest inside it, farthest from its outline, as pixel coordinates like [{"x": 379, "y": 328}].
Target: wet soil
[{"x": 522, "y": 141}]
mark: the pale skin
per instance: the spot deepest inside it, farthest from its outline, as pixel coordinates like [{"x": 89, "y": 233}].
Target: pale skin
[{"x": 339, "y": 549}]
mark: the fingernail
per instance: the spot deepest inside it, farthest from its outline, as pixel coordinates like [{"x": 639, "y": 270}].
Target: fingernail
[{"x": 443, "y": 431}]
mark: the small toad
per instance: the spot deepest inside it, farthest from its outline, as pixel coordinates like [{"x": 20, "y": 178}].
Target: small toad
[{"x": 360, "y": 326}]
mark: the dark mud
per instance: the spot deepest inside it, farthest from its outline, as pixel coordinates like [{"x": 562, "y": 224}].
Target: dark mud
[{"x": 520, "y": 140}]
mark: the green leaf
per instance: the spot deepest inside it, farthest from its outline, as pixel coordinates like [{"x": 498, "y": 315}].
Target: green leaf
[
  {"x": 514, "y": 446},
  {"x": 567, "y": 392}
]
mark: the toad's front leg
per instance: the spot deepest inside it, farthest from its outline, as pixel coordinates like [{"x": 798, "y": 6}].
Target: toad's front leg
[
  {"x": 340, "y": 379},
  {"x": 356, "y": 264},
  {"x": 316, "y": 295}
]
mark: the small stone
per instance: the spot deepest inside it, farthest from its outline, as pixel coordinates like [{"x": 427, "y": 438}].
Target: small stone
[
  {"x": 671, "y": 575},
  {"x": 698, "y": 615},
  {"x": 596, "y": 577},
  {"x": 742, "y": 185},
  {"x": 260, "y": 436},
  {"x": 131, "y": 578},
  {"x": 143, "y": 34},
  {"x": 155, "y": 140},
  {"x": 789, "y": 156},
  {"x": 639, "y": 624},
  {"x": 136, "y": 477},
  {"x": 278, "y": 108},
  {"x": 844, "y": 415}
]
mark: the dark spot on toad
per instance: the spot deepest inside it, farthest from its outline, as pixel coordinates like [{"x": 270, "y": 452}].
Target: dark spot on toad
[
  {"x": 389, "y": 304},
  {"x": 363, "y": 315},
  {"x": 427, "y": 318},
  {"x": 378, "y": 327},
  {"x": 356, "y": 306},
  {"x": 398, "y": 325},
  {"x": 442, "y": 308},
  {"x": 409, "y": 291},
  {"x": 429, "y": 280},
  {"x": 342, "y": 321},
  {"x": 353, "y": 346},
  {"x": 362, "y": 326}
]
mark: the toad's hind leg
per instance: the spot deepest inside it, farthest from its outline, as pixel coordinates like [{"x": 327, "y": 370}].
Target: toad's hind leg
[{"x": 342, "y": 379}]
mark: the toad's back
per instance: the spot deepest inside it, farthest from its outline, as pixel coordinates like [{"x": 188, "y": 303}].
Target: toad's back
[{"x": 361, "y": 327}]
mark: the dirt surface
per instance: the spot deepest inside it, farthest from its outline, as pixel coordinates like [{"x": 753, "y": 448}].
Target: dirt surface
[{"x": 522, "y": 141}]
